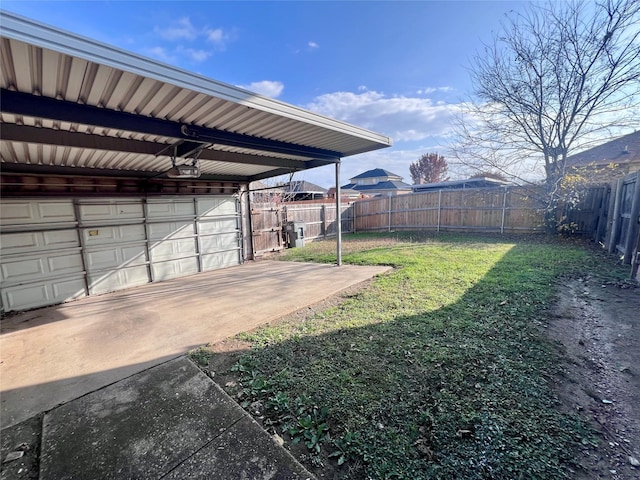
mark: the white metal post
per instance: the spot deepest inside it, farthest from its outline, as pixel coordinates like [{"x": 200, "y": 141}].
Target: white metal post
[{"x": 338, "y": 217}]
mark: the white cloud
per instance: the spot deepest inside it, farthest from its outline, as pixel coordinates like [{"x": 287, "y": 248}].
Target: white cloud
[
  {"x": 313, "y": 45},
  {"x": 160, "y": 53},
  {"x": 429, "y": 90},
  {"x": 268, "y": 88},
  {"x": 216, "y": 35},
  {"x": 402, "y": 118},
  {"x": 183, "y": 29},
  {"x": 195, "y": 55}
]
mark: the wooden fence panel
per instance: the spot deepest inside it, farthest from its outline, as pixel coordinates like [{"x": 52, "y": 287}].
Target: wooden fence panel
[
  {"x": 319, "y": 219},
  {"x": 372, "y": 214},
  {"x": 266, "y": 226},
  {"x": 629, "y": 211},
  {"x": 311, "y": 215},
  {"x": 584, "y": 216},
  {"x": 497, "y": 209}
]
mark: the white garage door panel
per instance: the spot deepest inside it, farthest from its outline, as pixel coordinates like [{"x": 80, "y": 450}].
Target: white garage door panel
[
  {"x": 169, "y": 209},
  {"x": 117, "y": 280},
  {"x": 110, "y": 235},
  {"x": 210, "y": 207},
  {"x": 45, "y": 292},
  {"x": 47, "y": 244},
  {"x": 222, "y": 225},
  {"x": 19, "y": 268},
  {"x": 172, "y": 249},
  {"x": 160, "y": 231},
  {"x": 12, "y": 243},
  {"x": 116, "y": 257},
  {"x": 174, "y": 268},
  {"x": 15, "y": 212},
  {"x": 220, "y": 260},
  {"x": 112, "y": 212},
  {"x": 223, "y": 241}
]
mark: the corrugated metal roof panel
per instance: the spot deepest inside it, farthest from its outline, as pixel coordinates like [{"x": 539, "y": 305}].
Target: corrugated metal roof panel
[
  {"x": 41, "y": 60},
  {"x": 51, "y": 155}
]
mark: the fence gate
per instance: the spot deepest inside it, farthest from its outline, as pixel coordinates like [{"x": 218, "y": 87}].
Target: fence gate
[
  {"x": 624, "y": 218},
  {"x": 266, "y": 228}
]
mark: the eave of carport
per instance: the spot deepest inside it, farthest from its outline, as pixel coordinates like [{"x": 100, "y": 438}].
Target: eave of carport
[{"x": 69, "y": 92}]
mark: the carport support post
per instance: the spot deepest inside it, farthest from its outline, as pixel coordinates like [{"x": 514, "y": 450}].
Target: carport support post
[{"x": 338, "y": 217}]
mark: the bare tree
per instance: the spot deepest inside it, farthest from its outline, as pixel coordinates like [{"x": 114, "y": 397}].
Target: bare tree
[
  {"x": 556, "y": 78},
  {"x": 429, "y": 168},
  {"x": 489, "y": 174}
]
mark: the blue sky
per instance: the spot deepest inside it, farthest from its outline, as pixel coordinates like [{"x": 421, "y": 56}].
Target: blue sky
[{"x": 397, "y": 68}]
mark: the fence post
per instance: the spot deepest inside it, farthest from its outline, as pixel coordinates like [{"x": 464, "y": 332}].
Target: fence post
[
  {"x": 439, "y": 209},
  {"x": 613, "y": 238},
  {"x": 353, "y": 212},
  {"x": 602, "y": 210},
  {"x": 324, "y": 220},
  {"x": 389, "y": 212},
  {"x": 633, "y": 223},
  {"x": 504, "y": 209}
]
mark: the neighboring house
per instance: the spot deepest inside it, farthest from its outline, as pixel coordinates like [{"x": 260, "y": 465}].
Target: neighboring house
[
  {"x": 260, "y": 192},
  {"x": 610, "y": 160},
  {"x": 478, "y": 182},
  {"x": 377, "y": 182},
  {"x": 298, "y": 190}
]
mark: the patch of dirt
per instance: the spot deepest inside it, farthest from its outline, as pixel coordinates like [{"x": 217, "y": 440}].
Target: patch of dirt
[{"x": 598, "y": 327}]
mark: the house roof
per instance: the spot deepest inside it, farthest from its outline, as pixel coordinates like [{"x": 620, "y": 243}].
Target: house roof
[
  {"x": 376, "y": 172},
  {"x": 302, "y": 186},
  {"x": 389, "y": 185},
  {"x": 625, "y": 149},
  {"x": 477, "y": 182},
  {"x": 343, "y": 192},
  {"x": 69, "y": 104}
]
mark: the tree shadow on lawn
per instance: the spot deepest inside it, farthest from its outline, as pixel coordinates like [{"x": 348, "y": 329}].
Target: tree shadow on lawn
[{"x": 460, "y": 391}]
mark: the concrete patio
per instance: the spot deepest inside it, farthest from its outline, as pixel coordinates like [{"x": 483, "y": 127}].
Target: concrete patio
[{"x": 53, "y": 355}]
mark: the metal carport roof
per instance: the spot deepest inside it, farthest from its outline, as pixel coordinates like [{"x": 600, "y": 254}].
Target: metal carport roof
[{"x": 70, "y": 104}]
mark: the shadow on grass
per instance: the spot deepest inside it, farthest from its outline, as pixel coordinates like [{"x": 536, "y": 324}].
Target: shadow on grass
[{"x": 462, "y": 390}]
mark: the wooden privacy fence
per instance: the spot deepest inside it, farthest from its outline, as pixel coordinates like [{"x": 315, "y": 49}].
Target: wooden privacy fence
[
  {"x": 608, "y": 213},
  {"x": 503, "y": 209},
  {"x": 319, "y": 219},
  {"x": 268, "y": 220}
]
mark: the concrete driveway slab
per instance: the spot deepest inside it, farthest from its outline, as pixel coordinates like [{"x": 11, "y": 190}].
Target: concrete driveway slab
[
  {"x": 170, "y": 421},
  {"x": 56, "y": 354}
]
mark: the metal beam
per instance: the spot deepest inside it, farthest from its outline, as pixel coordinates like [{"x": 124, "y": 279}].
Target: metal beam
[
  {"x": 19, "y": 103},
  {"x": 104, "y": 172},
  {"x": 270, "y": 174},
  {"x": 48, "y": 136}
]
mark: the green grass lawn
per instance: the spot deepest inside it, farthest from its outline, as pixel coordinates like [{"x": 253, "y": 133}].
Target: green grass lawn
[{"x": 439, "y": 369}]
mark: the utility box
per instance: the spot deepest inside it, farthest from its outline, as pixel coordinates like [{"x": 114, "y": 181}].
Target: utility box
[{"x": 295, "y": 234}]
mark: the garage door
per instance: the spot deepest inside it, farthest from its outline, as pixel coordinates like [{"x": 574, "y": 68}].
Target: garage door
[
  {"x": 41, "y": 261},
  {"x": 62, "y": 249}
]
